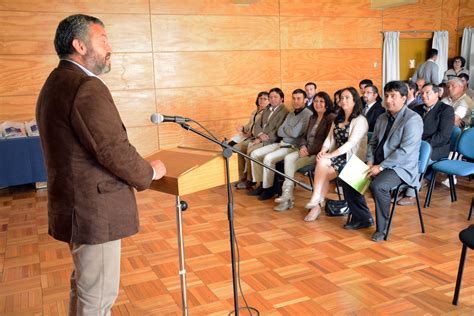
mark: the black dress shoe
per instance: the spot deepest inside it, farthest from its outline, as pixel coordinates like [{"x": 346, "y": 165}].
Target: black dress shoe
[
  {"x": 256, "y": 192},
  {"x": 378, "y": 236},
  {"x": 359, "y": 224},
  {"x": 267, "y": 194}
]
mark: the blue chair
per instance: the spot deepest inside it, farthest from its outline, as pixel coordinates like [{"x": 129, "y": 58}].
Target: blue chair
[
  {"x": 466, "y": 236},
  {"x": 452, "y": 168},
  {"x": 423, "y": 159}
]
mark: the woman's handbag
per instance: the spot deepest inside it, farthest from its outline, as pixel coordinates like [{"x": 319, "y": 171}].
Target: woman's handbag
[{"x": 336, "y": 208}]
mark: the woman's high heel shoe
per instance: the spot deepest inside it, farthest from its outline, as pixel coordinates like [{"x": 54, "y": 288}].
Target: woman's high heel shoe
[
  {"x": 313, "y": 214},
  {"x": 310, "y": 205}
]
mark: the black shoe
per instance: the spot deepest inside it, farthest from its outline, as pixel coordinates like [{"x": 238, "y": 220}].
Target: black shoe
[
  {"x": 267, "y": 194},
  {"x": 256, "y": 192},
  {"x": 378, "y": 236},
  {"x": 359, "y": 224}
]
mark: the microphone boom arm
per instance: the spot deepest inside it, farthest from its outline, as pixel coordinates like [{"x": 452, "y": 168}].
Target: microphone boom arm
[{"x": 226, "y": 146}]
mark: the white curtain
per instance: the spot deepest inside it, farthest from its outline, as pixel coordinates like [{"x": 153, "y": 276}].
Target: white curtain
[
  {"x": 441, "y": 43},
  {"x": 391, "y": 57},
  {"x": 467, "y": 51}
]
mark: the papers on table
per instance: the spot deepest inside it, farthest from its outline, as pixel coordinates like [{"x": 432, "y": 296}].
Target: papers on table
[{"x": 355, "y": 174}]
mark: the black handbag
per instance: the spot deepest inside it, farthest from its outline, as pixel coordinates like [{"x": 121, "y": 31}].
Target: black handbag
[{"x": 336, "y": 208}]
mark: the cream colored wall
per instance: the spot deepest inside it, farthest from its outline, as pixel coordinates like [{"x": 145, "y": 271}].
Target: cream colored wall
[{"x": 208, "y": 59}]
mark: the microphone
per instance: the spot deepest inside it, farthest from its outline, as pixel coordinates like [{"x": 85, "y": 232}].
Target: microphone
[{"x": 157, "y": 118}]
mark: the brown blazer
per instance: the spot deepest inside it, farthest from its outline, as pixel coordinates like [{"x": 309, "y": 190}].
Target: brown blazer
[
  {"x": 314, "y": 145},
  {"x": 270, "y": 127},
  {"x": 92, "y": 168}
]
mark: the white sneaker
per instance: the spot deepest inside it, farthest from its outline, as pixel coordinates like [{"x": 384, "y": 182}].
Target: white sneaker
[{"x": 446, "y": 182}]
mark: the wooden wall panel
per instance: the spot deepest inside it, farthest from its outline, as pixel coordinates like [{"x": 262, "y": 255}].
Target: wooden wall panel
[
  {"x": 213, "y": 7},
  {"x": 331, "y": 64},
  {"x": 465, "y": 21},
  {"x": 16, "y": 36},
  {"x": 450, "y": 9},
  {"x": 194, "y": 69},
  {"x": 334, "y": 8},
  {"x": 17, "y": 108},
  {"x": 211, "y": 33},
  {"x": 210, "y": 103},
  {"x": 339, "y": 32},
  {"x": 130, "y": 72},
  {"x": 402, "y": 24},
  {"x": 74, "y": 7},
  {"x": 466, "y": 8},
  {"x": 144, "y": 138},
  {"x": 424, "y": 9},
  {"x": 172, "y": 135},
  {"x": 135, "y": 36},
  {"x": 135, "y": 106},
  {"x": 23, "y": 74}
]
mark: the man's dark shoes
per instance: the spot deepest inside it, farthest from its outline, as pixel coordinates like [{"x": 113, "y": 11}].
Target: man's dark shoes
[
  {"x": 359, "y": 224},
  {"x": 256, "y": 192},
  {"x": 267, "y": 194},
  {"x": 378, "y": 236}
]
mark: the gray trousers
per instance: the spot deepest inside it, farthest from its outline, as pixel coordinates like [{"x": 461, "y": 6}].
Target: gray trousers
[
  {"x": 95, "y": 279},
  {"x": 380, "y": 188}
]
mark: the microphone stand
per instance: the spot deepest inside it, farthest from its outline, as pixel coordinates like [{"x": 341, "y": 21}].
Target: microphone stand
[{"x": 227, "y": 151}]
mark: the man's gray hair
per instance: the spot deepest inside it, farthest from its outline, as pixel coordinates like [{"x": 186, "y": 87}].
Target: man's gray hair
[
  {"x": 456, "y": 80},
  {"x": 73, "y": 27}
]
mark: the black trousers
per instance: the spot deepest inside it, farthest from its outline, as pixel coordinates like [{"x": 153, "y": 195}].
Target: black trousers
[
  {"x": 380, "y": 187},
  {"x": 357, "y": 204}
]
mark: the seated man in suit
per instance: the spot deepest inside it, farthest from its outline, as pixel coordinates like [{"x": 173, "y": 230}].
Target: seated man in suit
[
  {"x": 373, "y": 105},
  {"x": 310, "y": 89},
  {"x": 290, "y": 132},
  {"x": 392, "y": 156},
  {"x": 266, "y": 127},
  {"x": 438, "y": 122}
]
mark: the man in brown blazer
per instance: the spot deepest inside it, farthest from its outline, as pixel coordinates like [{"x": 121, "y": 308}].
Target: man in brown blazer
[{"x": 92, "y": 168}]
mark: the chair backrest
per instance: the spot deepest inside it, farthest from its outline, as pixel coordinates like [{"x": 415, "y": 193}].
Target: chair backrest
[
  {"x": 424, "y": 158},
  {"x": 465, "y": 143},
  {"x": 453, "y": 140}
]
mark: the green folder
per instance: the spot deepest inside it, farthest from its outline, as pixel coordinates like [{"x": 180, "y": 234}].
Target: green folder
[{"x": 355, "y": 174}]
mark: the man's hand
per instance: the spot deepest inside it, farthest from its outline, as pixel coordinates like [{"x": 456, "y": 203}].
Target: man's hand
[
  {"x": 159, "y": 168},
  {"x": 263, "y": 137},
  {"x": 303, "y": 151},
  {"x": 373, "y": 171}
]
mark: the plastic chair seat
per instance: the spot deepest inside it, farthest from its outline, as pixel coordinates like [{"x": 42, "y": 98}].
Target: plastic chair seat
[
  {"x": 466, "y": 236},
  {"x": 454, "y": 167}
]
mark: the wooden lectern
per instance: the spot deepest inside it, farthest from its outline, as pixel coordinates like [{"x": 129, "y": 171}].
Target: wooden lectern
[{"x": 188, "y": 171}]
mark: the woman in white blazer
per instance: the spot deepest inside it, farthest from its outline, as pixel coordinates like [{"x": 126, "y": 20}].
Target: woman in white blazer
[{"x": 347, "y": 137}]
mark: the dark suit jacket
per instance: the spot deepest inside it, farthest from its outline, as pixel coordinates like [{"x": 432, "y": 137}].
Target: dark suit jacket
[
  {"x": 92, "y": 168},
  {"x": 314, "y": 145},
  {"x": 437, "y": 127},
  {"x": 373, "y": 114}
]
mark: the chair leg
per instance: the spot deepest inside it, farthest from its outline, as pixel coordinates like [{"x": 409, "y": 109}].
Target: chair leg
[
  {"x": 430, "y": 190},
  {"x": 394, "y": 203},
  {"x": 472, "y": 208},
  {"x": 311, "y": 176},
  {"x": 337, "y": 189},
  {"x": 452, "y": 188},
  {"x": 459, "y": 278},
  {"x": 419, "y": 211}
]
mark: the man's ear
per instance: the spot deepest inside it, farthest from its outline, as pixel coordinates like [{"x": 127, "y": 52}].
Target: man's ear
[{"x": 79, "y": 47}]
